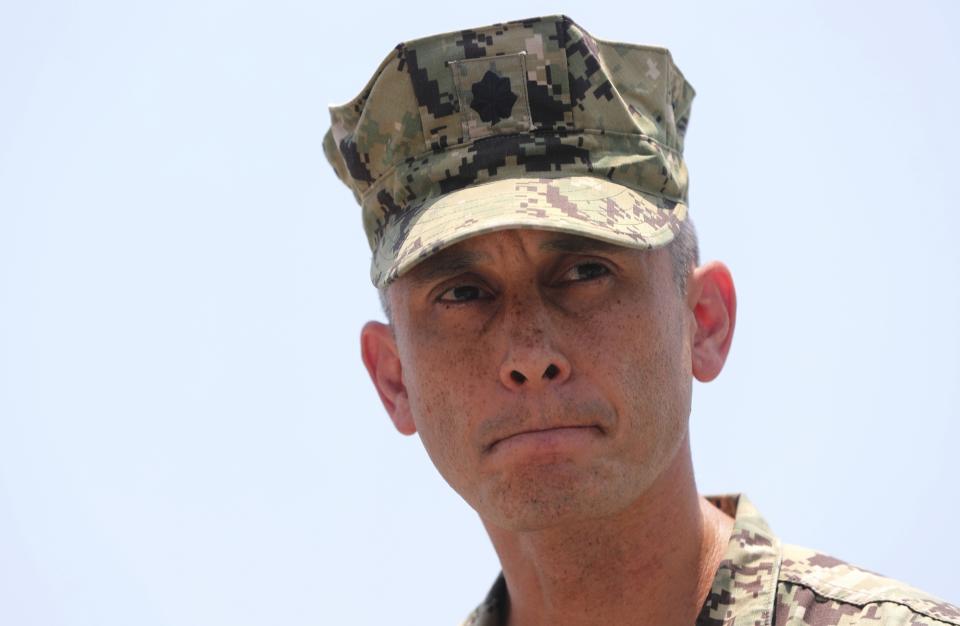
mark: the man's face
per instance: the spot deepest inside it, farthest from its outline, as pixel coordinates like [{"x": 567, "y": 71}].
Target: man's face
[{"x": 548, "y": 375}]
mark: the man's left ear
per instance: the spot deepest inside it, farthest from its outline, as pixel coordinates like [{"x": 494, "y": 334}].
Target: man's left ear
[{"x": 713, "y": 300}]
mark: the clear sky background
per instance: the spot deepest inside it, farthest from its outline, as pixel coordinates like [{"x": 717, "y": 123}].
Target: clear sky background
[{"x": 187, "y": 435}]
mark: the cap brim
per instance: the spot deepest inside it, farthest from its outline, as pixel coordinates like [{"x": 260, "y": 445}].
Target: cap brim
[{"x": 581, "y": 205}]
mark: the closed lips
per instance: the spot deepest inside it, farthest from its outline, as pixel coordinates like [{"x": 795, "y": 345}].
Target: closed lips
[{"x": 559, "y": 431}]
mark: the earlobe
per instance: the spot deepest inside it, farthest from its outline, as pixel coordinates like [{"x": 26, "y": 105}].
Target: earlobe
[
  {"x": 713, "y": 300},
  {"x": 382, "y": 360}
]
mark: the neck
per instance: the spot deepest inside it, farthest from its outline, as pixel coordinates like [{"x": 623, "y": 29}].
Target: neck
[{"x": 652, "y": 563}]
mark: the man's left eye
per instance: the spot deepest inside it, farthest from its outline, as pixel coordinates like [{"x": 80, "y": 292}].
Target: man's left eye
[{"x": 585, "y": 271}]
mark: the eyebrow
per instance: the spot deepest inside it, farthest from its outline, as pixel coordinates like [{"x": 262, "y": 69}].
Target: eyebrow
[{"x": 446, "y": 263}]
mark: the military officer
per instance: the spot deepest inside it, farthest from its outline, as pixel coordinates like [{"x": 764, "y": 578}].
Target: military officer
[{"x": 524, "y": 195}]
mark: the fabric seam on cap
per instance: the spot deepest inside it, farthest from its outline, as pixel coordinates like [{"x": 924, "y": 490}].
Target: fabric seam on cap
[
  {"x": 652, "y": 48},
  {"x": 375, "y": 186}
]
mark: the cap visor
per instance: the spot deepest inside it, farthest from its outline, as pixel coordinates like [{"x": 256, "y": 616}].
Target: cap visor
[{"x": 581, "y": 205}]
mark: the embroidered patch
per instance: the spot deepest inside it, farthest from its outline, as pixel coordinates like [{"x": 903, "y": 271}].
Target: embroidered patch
[
  {"x": 493, "y": 95},
  {"x": 492, "y": 98}
]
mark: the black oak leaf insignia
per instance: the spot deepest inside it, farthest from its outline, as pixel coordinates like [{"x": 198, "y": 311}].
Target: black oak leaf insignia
[{"x": 492, "y": 97}]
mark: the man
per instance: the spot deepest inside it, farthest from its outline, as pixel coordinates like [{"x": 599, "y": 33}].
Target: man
[{"x": 524, "y": 196}]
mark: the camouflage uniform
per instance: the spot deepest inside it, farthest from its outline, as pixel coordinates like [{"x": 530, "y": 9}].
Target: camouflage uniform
[{"x": 761, "y": 582}]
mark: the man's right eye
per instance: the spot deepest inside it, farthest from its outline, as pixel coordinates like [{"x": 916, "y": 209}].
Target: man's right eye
[{"x": 462, "y": 293}]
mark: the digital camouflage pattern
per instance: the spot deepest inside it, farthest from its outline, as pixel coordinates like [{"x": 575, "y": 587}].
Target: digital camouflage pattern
[
  {"x": 532, "y": 123},
  {"x": 761, "y": 582}
]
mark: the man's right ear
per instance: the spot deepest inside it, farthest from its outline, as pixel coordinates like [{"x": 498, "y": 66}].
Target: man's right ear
[{"x": 382, "y": 360}]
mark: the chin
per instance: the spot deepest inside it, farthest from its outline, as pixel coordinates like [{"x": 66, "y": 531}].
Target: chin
[{"x": 543, "y": 497}]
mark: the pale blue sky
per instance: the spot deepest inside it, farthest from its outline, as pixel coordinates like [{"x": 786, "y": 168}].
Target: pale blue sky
[{"x": 187, "y": 435}]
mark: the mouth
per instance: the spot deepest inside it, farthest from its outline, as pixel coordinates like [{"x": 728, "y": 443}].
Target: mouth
[{"x": 546, "y": 439}]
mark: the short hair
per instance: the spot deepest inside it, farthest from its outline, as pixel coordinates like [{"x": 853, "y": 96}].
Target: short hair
[{"x": 684, "y": 251}]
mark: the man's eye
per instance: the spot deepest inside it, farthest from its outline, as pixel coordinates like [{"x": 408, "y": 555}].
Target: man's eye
[
  {"x": 462, "y": 293},
  {"x": 585, "y": 271}
]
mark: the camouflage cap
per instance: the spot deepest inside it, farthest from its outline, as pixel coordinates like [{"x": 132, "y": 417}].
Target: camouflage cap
[{"x": 525, "y": 124}]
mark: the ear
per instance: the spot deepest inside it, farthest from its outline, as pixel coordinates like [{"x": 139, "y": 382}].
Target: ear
[
  {"x": 382, "y": 360},
  {"x": 713, "y": 300}
]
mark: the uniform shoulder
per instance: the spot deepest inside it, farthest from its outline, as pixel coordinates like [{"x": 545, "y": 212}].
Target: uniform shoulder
[{"x": 816, "y": 588}]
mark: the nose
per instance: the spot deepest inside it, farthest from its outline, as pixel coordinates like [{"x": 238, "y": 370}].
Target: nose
[{"x": 532, "y": 360}]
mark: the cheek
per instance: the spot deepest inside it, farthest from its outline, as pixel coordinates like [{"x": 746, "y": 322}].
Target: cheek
[
  {"x": 662, "y": 386},
  {"x": 623, "y": 342},
  {"x": 443, "y": 369},
  {"x": 642, "y": 359},
  {"x": 446, "y": 395}
]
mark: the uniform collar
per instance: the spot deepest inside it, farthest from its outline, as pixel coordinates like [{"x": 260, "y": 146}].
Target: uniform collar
[{"x": 744, "y": 587}]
